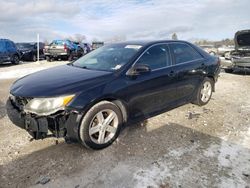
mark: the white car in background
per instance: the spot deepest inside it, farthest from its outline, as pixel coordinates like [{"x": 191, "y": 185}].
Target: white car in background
[
  {"x": 240, "y": 57},
  {"x": 209, "y": 48},
  {"x": 224, "y": 51}
]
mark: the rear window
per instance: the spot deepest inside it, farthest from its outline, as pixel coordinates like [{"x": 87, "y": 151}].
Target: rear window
[
  {"x": 58, "y": 42},
  {"x": 184, "y": 53}
]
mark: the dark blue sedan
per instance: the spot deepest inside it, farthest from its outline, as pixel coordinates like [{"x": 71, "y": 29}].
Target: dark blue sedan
[{"x": 90, "y": 99}]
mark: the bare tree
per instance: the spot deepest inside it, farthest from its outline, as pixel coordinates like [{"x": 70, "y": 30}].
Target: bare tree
[
  {"x": 174, "y": 36},
  {"x": 79, "y": 37},
  {"x": 46, "y": 42},
  {"x": 69, "y": 38}
]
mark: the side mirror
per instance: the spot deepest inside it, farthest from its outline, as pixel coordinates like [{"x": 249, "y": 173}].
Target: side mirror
[{"x": 138, "y": 69}]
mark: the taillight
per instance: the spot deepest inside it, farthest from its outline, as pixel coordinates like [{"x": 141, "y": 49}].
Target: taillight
[
  {"x": 65, "y": 48},
  {"x": 218, "y": 61}
]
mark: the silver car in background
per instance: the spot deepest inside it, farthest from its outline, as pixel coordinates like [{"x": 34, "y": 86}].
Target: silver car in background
[{"x": 240, "y": 57}]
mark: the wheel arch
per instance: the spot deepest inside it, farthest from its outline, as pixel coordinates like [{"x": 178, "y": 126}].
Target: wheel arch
[
  {"x": 118, "y": 102},
  {"x": 213, "y": 79}
]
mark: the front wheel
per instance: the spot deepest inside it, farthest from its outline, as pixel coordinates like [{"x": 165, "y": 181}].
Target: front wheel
[
  {"x": 204, "y": 93},
  {"x": 101, "y": 125},
  {"x": 15, "y": 60}
]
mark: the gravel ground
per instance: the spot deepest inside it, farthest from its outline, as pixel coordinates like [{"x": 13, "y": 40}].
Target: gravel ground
[{"x": 189, "y": 146}]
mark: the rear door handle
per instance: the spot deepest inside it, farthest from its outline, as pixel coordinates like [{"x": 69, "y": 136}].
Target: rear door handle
[{"x": 172, "y": 74}]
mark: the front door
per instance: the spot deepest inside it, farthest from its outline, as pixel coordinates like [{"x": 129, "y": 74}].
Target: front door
[{"x": 154, "y": 91}]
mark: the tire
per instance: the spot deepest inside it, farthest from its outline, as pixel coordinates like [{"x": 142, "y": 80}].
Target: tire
[
  {"x": 103, "y": 134},
  {"x": 15, "y": 60},
  {"x": 70, "y": 57},
  {"x": 228, "y": 70},
  {"x": 34, "y": 58},
  {"x": 212, "y": 53},
  {"x": 48, "y": 58},
  {"x": 204, "y": 92}
]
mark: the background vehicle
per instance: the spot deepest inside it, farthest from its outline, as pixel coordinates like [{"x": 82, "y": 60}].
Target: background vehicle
[
  {"x": 223, "y": 50},
  {"x": 96, "y": 45},
  {"x": 240, "y": 57},
  {"x": 8, "y": 52},
  {"x": 209, "y": 49},
  {"x": 83, "y": 48},
  {"x": 90, "y": 99},
  {"x": 64, "y": 49},
  {"x": 29, "y": 50}
]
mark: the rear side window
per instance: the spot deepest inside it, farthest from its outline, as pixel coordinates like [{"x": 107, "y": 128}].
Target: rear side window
[
  {"x": 156, "y": 57},
  {"x": 184, "y": 53}
]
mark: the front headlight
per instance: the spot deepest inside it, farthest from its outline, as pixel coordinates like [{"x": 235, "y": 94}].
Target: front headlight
[{"x": 47, "y": 106}]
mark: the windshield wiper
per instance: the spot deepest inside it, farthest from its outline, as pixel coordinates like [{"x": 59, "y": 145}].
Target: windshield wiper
[{"x": 83, "y": 67}]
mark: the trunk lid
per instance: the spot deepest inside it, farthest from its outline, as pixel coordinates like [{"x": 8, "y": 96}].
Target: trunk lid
[{"x": 242, "y": 40}]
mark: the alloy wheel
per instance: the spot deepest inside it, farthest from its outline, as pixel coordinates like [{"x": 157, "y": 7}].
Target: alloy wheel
[
  {"x": 103, "y": 126},
  {"x": 206, "y": 91}
]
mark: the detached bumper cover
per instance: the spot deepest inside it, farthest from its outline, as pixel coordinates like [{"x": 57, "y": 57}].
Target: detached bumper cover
[{"x": 61, "y": 125}]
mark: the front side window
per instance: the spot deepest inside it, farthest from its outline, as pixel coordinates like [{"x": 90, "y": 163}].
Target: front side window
[
  {"x": 2, "y": 46},
  {"x": 108, "y": 58},
  {"x": 184, "y": 53},
  {"x": 156, "y": 57}
]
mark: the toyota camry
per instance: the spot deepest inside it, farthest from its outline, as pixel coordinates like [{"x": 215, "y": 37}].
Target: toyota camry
[{"x": 90, "y": 99}]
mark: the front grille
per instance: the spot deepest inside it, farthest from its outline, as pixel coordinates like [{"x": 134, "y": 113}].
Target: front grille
[{"x": 19, "y": 102}]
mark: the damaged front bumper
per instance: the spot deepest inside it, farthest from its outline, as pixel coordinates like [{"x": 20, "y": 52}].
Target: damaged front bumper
[
  {"x": 61, "y": 124},
  {"x": 243, "y": 62}
]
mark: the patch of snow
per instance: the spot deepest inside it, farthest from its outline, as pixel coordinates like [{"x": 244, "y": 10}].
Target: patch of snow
[
  {"x": 233, "y": 160},
  {"x": 18, "y": 73}
]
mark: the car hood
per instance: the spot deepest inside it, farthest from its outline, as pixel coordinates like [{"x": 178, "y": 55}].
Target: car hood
[
  {"x": 60, "y": 80},
  {"x": 242, "y": 40}
]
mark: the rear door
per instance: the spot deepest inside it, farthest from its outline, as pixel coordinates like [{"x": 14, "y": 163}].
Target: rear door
[
  {"x": 152, "y": 92},
  {"x": 189, "y": 66}
]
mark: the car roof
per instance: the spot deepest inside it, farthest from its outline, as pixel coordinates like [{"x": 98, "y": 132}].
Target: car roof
[
  {"x": 148, "y": 42},
  {"x": 5, "y": 39}
]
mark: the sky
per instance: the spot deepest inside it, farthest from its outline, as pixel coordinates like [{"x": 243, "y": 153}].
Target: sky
[{"x": 112, "y": 20}]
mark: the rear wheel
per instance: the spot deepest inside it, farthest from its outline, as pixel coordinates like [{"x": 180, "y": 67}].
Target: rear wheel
[
  {"x": 228, "y": 70},
  {"x": 70, "y": 57},
  {"x": 204, "y": 93},
  {"x": 34, "y": 58},
  {"x": 48, "y": 58},
  {"x": 15, "y": 60},
  {"x": 101, "y": 125}
]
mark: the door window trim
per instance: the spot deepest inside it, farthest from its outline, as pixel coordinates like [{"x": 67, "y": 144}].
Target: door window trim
[
  {"x": 185, "y": 62},
  {"x": 169, "y": 51}
]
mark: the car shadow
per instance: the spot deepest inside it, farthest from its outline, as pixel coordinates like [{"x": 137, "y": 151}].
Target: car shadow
[
  {"x": 244, "y": 72},
  {"x": 172, "y": 146}
]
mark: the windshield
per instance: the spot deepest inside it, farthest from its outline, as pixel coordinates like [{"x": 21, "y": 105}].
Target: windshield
[
  {"x": 24, "y": 45},
  {"x": 108, "y": 58}
]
